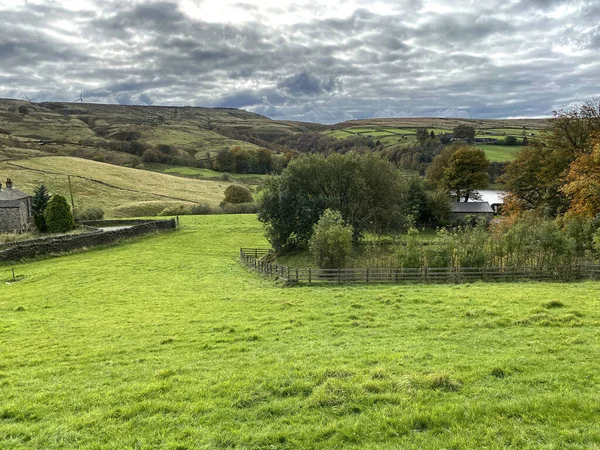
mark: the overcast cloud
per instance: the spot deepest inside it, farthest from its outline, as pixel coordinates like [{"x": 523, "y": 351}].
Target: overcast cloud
[{"x": 307, "y": 60}]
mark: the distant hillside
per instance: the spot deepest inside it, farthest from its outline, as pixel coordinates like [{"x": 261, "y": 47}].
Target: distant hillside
[
  {"x": 444, "y": 123},
  {"x": 118, "y": 133}
]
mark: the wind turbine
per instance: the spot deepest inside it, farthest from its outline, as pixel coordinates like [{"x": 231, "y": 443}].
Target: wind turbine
[
  {"x": 80, "y": 99},
  {"x": 30, "y": 100}
]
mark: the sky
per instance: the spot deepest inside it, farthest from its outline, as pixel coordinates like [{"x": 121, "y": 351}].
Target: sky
[{"x": 307, "y": 60}]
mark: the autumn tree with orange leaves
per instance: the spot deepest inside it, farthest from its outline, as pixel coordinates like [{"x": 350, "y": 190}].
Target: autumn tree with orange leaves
[
  {"x": 548, "y": 177},
  {"x": 583, "y": 183}
]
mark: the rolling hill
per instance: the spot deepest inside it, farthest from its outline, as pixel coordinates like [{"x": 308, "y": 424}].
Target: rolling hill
[{"x": 119, "y": 191}]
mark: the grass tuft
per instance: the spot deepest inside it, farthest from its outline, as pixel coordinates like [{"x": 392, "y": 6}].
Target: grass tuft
[
  {"x": 553, "y": 304},
  {"x": 443, "y": 381}
]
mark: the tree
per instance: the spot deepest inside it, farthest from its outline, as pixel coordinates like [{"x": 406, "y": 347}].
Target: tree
[
  {"x": 572, "y": 128},
  {"x": 534, "y": 180},
  {"x": 264, "y": 160},
  {"x": 435, "y": 171},
  {"x": 23, "y": 110},
  {"x": 59, "y": 218},
  {"x": 364, "y": 188},
  {"x": 510, "y": 140},
  {"x": 331, "y": 241},
  {"x": 464, "y": 132},
  {"x": 237, "y": 194},
  {"x": 224, "y": 161},
  {"x": 467, "y": 171},
  {"x": 583, "y": 183},
  {"x": 39, "y": 202},
  {"x": 422, "y": 135},
  {"x": 432, "y": 134}
]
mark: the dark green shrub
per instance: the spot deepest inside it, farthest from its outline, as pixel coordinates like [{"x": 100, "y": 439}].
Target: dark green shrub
[
  {"x": 40, "y": 223},
  {"x": 151, "y": 156},
  {"x": 201, "y": 210},
  {"x": 39, "y": 202},
  {"x": 331, "y": 241},
  {"x": 237, "y": 194},
  {"x": 92, "y": 213},
  {"x": 59, "y": 218},
  {"x": 239, "y": 208}
]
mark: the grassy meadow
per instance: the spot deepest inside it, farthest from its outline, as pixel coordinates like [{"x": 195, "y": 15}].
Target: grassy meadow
[
  {"x": 119, "y": 191},
  {"x": 391, "y": 136},
  {"x": 500, "y": 153},
  {"x": 168, "y": 342}
]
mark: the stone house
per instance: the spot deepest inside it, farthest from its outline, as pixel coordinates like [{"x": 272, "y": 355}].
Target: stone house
[{"x": 15, "y": 209}]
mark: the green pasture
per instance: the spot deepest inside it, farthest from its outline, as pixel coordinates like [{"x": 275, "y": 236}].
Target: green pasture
[
  {"x": 512, "y": 132},
  {"x": 195, "y": 172},
  {"x": 500, "y": 153},
  {"x": 168, "y": 342}
]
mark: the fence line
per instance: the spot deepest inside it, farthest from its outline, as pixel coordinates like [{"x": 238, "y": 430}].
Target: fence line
[{"x": 254, "y": 258}]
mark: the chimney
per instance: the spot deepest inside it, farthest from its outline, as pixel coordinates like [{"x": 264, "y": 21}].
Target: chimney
[{"x": 8, "y": 183}]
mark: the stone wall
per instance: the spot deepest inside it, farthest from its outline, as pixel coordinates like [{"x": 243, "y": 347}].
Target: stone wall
[
  {"x": 15, "y": 215},
  {"x": 59, "y": 244},
  {"x": 10, "y": 219}
]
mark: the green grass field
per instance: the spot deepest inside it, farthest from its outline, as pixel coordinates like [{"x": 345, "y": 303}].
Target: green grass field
[
  {"x": 206, "y": 174},
  {"x": 119, "y": 191},
  {"x": 168, "y": 342},
  {"x": 500, "y": 153}
]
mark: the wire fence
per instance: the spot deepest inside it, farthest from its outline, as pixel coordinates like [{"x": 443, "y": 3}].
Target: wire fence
[{"x": 257, "y": 260}]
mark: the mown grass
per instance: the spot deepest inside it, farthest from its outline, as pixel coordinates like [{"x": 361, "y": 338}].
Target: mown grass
[
  {"x": 110, "y": 187},
  {"x": 195, "y": 172},
  {"x": 168, "y": 342},
  {"x": 500, "y": 153}
]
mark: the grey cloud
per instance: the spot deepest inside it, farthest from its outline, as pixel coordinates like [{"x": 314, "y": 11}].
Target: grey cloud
[
  {"x": 145, "y": 99},
  {"x": 308, "y": 84},
  {"x": 477, "y": 61}
]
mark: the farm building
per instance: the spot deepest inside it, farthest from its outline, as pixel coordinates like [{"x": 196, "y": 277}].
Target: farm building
[
  {"x": 464, "y": 212},
  {"x": 493, "y": 197},
  {"x": 15, "y": 209}
]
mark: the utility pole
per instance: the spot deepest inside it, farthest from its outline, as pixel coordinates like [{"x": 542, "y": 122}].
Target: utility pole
[{"x": 71, "y": 191}]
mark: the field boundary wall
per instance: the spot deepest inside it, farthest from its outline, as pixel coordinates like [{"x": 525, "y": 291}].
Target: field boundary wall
[{"x": 93, "y": 236}]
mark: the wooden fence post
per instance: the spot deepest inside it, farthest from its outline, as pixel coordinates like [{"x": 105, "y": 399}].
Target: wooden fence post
[
  {"x": 367, "y": 274},
  {"x": 309, "y": 277}
]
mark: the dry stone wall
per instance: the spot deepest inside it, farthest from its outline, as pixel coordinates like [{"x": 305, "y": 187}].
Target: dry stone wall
[{"x": 94, "y": 237}]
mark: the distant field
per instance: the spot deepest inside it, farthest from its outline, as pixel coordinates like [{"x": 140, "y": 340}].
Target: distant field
[
  {"x": 113, "y": 188},
  {"x": 500, "y": 153},
  {"x": 168, "y": 342},
  {"x": 196, "y": 172}
]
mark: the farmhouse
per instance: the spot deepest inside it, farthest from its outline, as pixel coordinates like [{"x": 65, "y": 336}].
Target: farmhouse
[
  {"x": 463, "y": 212},
  {"x": 15, "y": 209},
  {"x": 493, "y": 197}
]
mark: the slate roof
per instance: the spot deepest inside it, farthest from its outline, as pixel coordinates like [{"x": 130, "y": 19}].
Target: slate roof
[
  {"x": 472, "y": 207},
  {"x": 12, "y": 194}
]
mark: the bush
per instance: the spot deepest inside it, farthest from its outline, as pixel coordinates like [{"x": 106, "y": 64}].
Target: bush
[
  {"x": 331, "y": 241},
  {"x": 239, "y": 208},
  {"x": 40, "y": 223},
  {"x": 92, "y": 213},
  {"x": 201, "y": 210},
  {"x": 151, "y": 156},
  {"x": 59, "y": 218},
  {"x": 597, "y": 242},
  {"x": 237, "y": 194}
]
